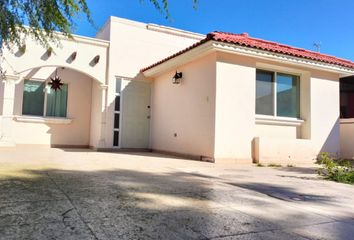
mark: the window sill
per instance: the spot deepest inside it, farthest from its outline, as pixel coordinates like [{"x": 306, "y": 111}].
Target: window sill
[
  {"x": 280, "y": 121},
  {"x": 346, "y": 120},
  {"x": 46, "y": 120}
]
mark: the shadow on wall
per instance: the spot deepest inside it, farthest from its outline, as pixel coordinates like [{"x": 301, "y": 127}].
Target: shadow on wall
[
  {"x": 126, "y": 204},
  {"x": 332, "y": 142}
]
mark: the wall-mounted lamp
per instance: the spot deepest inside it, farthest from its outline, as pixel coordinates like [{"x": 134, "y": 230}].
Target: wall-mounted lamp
[{"x": 177, "y": 78}]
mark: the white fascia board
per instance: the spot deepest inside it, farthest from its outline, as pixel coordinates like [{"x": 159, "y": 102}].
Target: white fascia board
[
  {"x": 86, "y": 40},
  {"x": 267, "y": 55},
  {"x": 180, "y": 60},
  {"x": 79, "y": 38},
  {"x": 213, "y": 46},
  {"x": 174, "y": 31}
]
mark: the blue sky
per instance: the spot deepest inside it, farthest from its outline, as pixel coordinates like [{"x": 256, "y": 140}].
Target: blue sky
[{"x": 295, "y": 22}]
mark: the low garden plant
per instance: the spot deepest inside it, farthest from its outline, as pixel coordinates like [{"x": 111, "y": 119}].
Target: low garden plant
[
  {"x": 339, "y": 170},
  {"x": 274, "y": 165}
]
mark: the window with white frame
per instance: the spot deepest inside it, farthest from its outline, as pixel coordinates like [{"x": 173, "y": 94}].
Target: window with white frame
[
  {"x": 41, "y": 100},
  {"x": 277, "y": 94},
  {"x": 117, "y": 113}
]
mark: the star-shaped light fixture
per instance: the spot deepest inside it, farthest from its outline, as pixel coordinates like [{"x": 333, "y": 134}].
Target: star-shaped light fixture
[{"x": 55, "y": 83}]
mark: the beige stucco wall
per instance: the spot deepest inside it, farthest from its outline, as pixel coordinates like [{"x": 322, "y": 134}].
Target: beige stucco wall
[
  {"x": 325, "y": 111},
  {"x": 347, "y": 138},
  {"x": 289, "y": 132},
  {"x": 237, "y": 133},
  {"x": 235, "y": 107},
  {"x": 78, "y": 109},
  {"x": 284, "y": 150},
  {"x": 1, "y": 96},
  {"x": 129, "y": 46},
  {"x": 96, "y": 114},
  {"x": 79, "y": 73},
  {"x": 1, "y": 102},
  {"x": 135, "y": 45},
  {"x": 186, "y": 109},
  {"x": 35, "y": 56},
  {"x": 236, "y": 128}
]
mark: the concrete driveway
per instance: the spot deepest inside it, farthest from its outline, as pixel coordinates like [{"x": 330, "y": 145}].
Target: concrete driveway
[{"x": 80, "y": 194}]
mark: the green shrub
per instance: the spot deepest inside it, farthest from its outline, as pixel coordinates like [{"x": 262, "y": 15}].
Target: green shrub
[
  {"x": 339, "y": 170},
  {"x": 274, "y": 165}
]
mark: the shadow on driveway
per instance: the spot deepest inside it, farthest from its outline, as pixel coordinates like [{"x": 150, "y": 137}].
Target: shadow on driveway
[{"x": 136, "y": 204}]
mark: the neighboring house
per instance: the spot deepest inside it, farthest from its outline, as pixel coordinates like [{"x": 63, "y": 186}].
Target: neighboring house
[{"x": 233, "y": 97}]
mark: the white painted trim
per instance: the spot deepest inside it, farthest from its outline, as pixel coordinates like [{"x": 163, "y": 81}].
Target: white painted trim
[
  {"x": 103, "y": 86},
  {"x": 174, "y": 31},
  {"x": 154, "y": 27},
  {"x": 11, "y": 77},
  {"x": 263, "y": 54},
  {"x": 346, "y": 120},
  {"x": 213, "y": 46},
  {"x": 281, "y": 69},
  {"x": 88, "y": 40},
  {"x": 46, "y": 120},
  {"x": 46, "y": 89},
  {"x": 81, "y": 39},
  {"x": 119, "y": 130},
  {"x": 275, "y": 93},
  {"x": 180, "y": 60},
  {"x": 280, "y": 121}
]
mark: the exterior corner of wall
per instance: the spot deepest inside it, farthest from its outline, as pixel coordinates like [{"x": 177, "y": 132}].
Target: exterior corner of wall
[
  {"x": 235, "y": 104},
  {"x": 255, "y": 150}
]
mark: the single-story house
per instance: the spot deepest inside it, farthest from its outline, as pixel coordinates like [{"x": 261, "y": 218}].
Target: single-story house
[{"x": 219, "y": 97}]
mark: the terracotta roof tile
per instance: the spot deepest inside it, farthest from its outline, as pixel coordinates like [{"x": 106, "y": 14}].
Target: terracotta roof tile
[{"x": 244, "y": 40}]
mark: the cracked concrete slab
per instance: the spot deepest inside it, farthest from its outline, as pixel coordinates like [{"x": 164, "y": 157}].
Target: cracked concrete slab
[
  {"x": 35, "y": 212},
  {"x": 266, "y": 235},
  {"x": 330, "y": 231},
  {"x": 72, "y": 230},
  {"x": 81, "y": 194}
]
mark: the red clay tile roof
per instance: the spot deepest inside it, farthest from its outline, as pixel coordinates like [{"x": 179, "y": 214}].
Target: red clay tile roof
[{"x": 246, "y": 41}]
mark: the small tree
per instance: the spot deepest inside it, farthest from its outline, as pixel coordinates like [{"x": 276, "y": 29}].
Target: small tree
[{"x": 44, "y": 17}]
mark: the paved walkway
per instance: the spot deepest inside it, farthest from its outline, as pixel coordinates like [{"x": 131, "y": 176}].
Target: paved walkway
[{"x": 79, "y": 194}]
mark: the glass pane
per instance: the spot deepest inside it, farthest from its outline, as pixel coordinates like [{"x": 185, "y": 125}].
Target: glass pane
[
  {"x": 117, "y": 104},
  {"x": 264, "y": 93},
  {"x": 288, "y": 96},
  {"x": 33, "y": 98},
  {"x": 118, "y": 85},
  {"x": 347, "y": 97},
  {"x": 57, "y": 102},
  {"x": 116, "y": 120},
  {"x": 115, "y": 138}
]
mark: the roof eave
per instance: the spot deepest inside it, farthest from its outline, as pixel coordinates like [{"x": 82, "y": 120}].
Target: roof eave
[
  {"x": 282, "y": 58},
  {"x": 184, "y": 58},
  {"x": 213, "y": 46}
]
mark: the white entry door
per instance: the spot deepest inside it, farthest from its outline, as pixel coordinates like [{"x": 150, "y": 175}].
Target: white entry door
[{"x": 135, "y": 130}]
